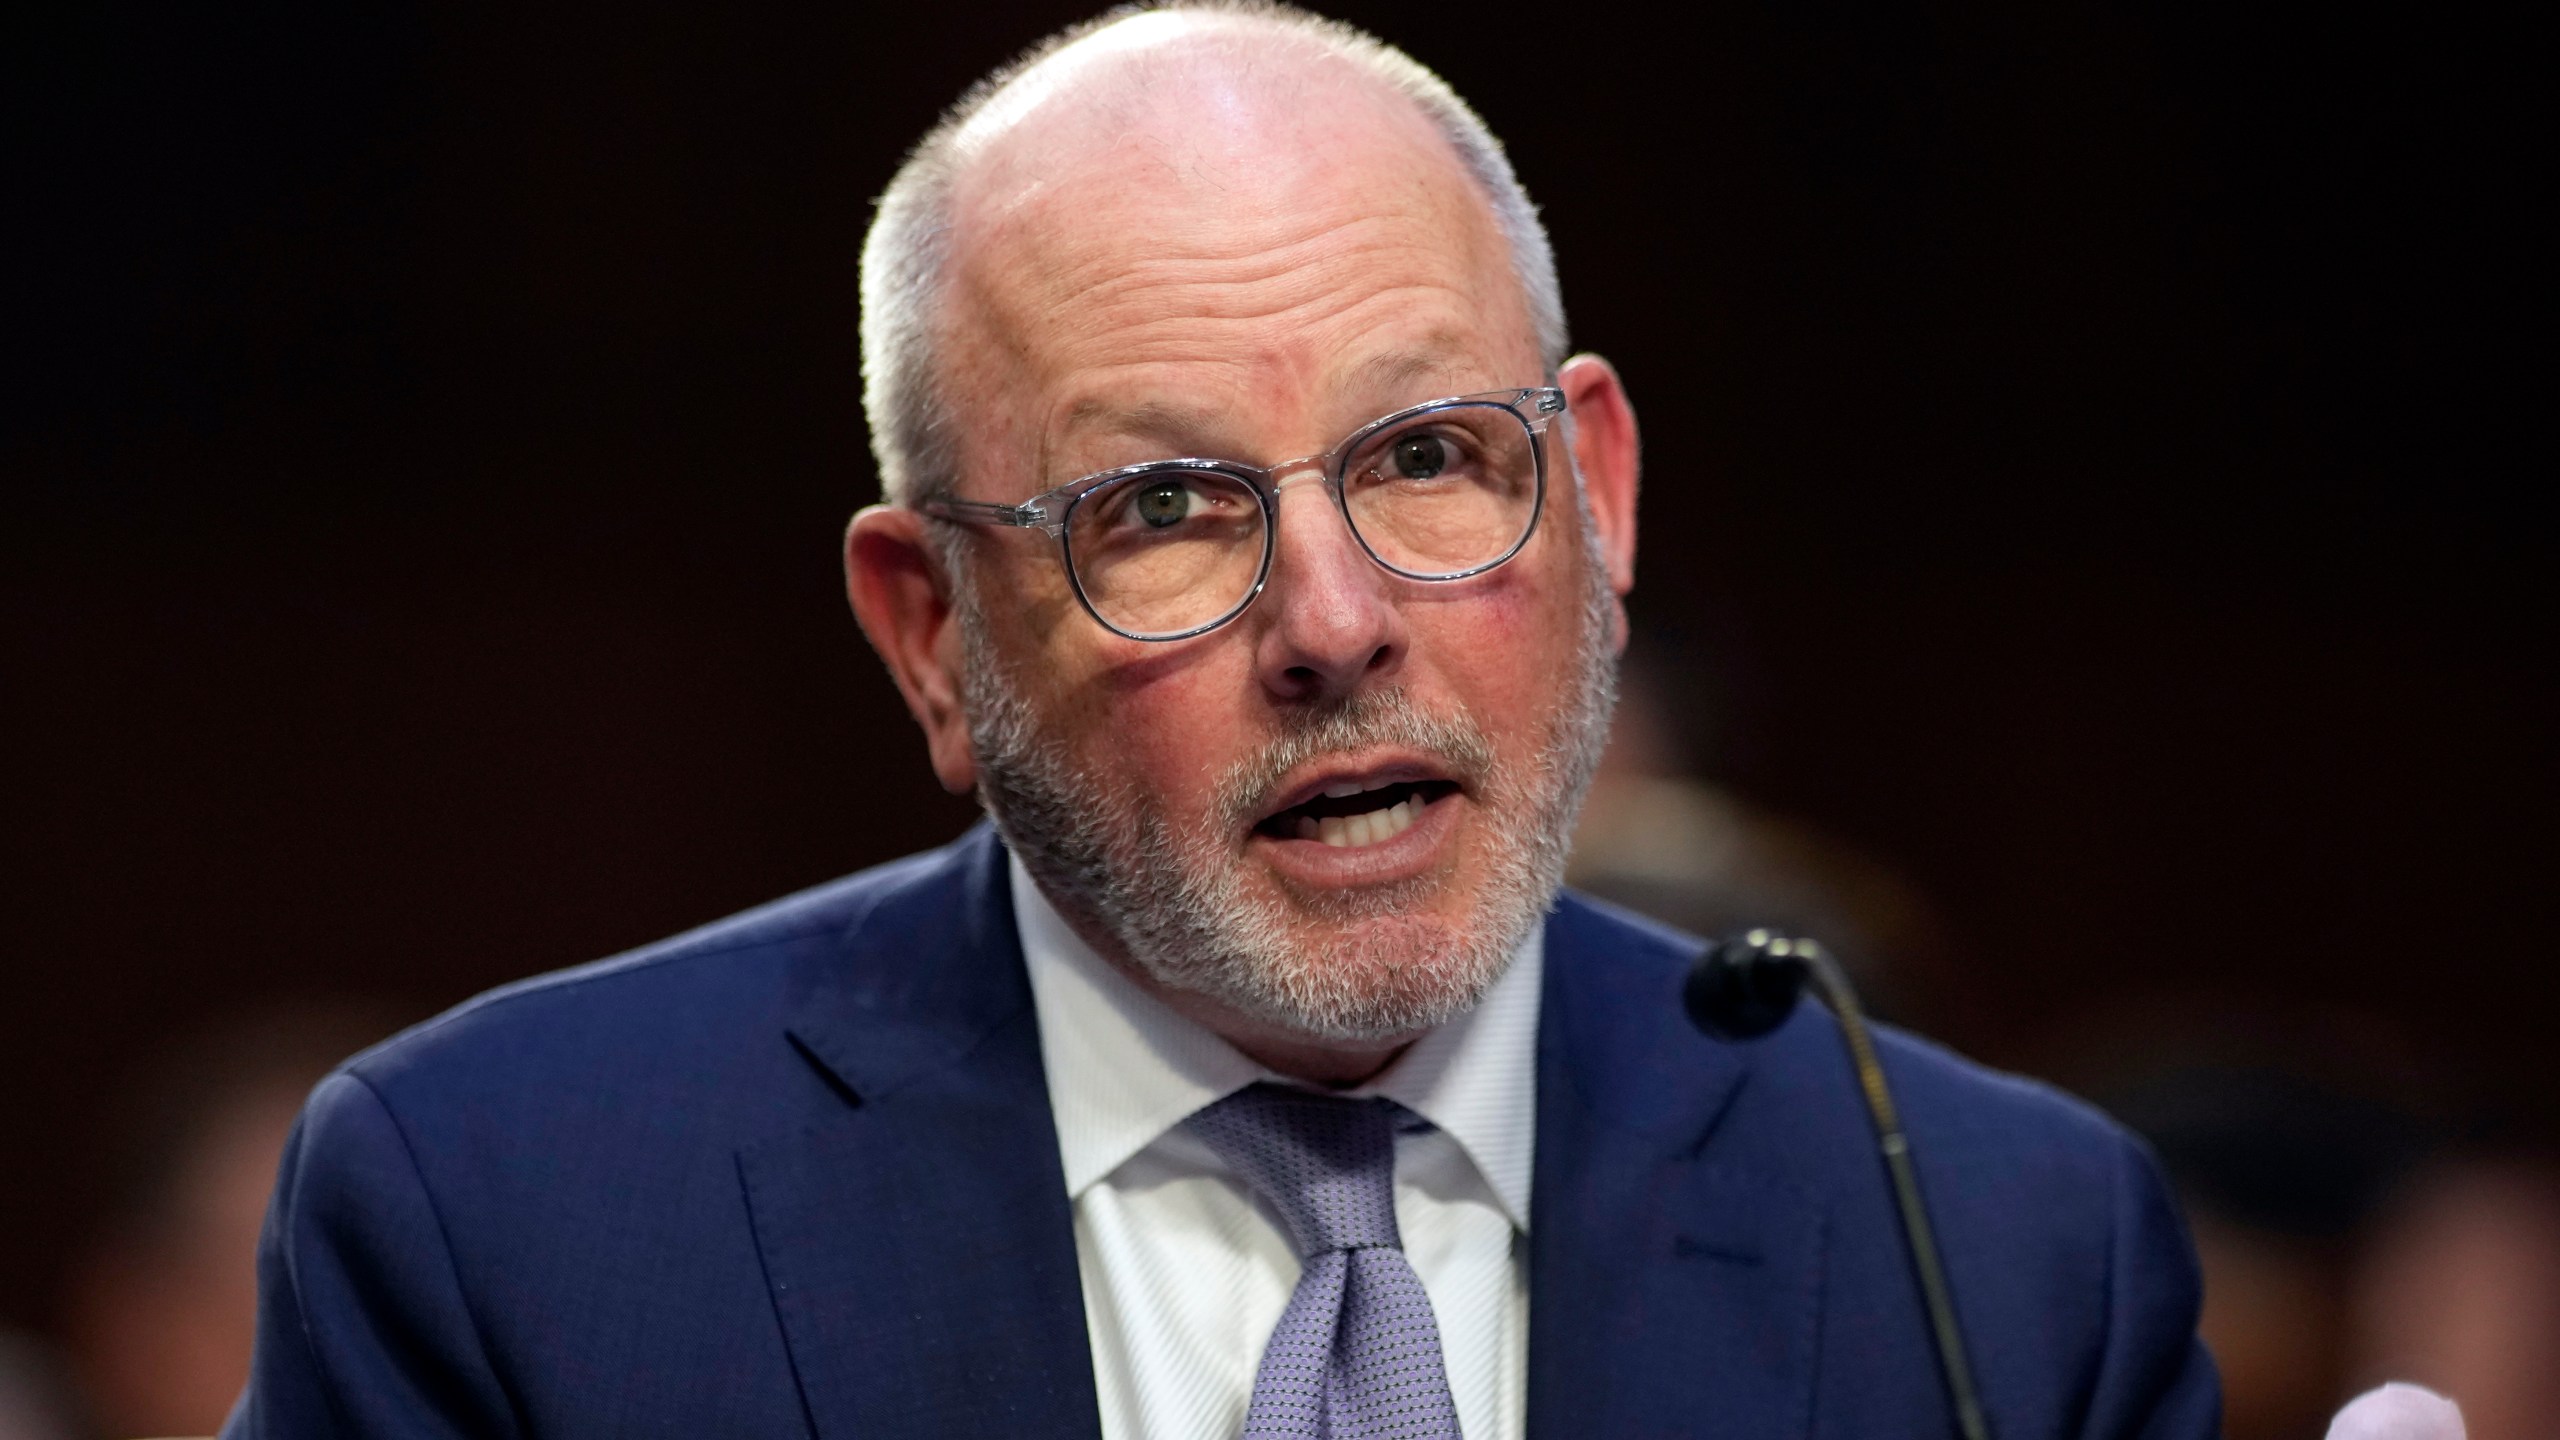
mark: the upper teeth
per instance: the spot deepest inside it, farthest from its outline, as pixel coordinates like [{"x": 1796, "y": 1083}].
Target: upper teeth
[
  {"x": 1367, "y": 828},
  {"x": 1341, "y": 788}
]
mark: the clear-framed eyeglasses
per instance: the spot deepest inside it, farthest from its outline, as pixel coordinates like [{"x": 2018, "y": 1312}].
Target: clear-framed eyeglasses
[{"x": 1170, "y": 549}]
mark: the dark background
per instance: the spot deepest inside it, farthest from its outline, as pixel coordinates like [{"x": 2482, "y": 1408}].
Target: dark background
[{"x": 2086, "y": 471}]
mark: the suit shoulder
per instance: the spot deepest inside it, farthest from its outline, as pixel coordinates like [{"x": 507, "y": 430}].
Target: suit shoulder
[
  {"x": 1937, "y": 1077},
  {"x": 2000, "y": 1153},
  {"x": 1803, "y": 1066},
  {"x": 1958, "y": 1104},
  {"x": 645, "y": 1005}
]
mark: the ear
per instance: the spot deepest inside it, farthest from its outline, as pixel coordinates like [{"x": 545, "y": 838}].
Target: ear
[
  {"x": 1602, "y": 427},
  {"x": 903, "y": 600}
]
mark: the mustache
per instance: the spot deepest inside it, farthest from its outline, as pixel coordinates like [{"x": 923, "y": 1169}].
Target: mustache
[{"x": 1367, "y": 720}]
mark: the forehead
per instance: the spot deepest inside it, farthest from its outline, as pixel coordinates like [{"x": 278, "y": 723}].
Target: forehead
[{"x": 1194, "y": 219}]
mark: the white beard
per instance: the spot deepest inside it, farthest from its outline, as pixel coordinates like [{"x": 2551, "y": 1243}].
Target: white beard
[{"x": 1346, "y": 966}]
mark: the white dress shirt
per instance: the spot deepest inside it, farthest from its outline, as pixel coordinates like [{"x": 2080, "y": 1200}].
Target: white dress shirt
[{"x": 1186, "y": 1272}]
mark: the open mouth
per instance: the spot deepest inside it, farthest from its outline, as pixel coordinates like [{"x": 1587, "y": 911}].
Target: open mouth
[{"x": 1349, "y": 814}]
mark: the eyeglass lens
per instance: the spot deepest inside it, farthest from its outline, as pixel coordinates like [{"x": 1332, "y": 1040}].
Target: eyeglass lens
[{"x": 1437, "y": 494}]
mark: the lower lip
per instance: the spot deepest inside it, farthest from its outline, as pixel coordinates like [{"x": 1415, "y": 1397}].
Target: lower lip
[{"x": 1412, "y": 852}]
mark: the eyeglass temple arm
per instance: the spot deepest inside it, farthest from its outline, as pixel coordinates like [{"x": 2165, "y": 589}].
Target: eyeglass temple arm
[{"x": 988, "y": 512}]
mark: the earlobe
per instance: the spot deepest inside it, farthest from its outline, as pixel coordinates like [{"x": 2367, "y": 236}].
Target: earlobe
[
  {"x": 1607, "y": 456},
  {"x": 902, "y": 600}
]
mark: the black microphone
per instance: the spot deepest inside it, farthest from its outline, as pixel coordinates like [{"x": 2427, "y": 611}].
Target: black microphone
[{"x": 1744, "y": 986}]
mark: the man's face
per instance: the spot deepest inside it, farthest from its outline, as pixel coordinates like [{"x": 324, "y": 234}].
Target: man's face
[{"x": 1338, "y": 814}]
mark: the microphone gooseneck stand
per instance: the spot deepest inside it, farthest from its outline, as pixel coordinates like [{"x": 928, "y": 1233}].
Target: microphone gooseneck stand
[{"x": 1742, "y": 988}]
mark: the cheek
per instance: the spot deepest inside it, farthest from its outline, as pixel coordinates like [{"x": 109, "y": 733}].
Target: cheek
[
  {"x": 1507, "y": 650},
  {"x": 1030, "y": 605},
  {"x": 1160, "y": 723},
  {"x": 1161, "y": 747}
]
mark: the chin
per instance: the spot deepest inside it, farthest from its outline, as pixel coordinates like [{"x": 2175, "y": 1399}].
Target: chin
[{"x": 1374, "y": 978}]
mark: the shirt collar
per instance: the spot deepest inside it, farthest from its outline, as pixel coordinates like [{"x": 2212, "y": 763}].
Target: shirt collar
[{"x": 1124, "y": 1068}]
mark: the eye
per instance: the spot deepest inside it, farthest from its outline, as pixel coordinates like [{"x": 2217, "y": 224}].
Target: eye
[
  {"x": 1421, "y": 456},
  {"x": 1164, "y": 503}
]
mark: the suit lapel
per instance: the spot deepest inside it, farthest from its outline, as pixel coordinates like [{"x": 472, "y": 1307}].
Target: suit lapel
[
  {"x": 917, "y": 1238},
  {"x": 920, "y": 1248},
  {"x": 1672, "y": 1292}
]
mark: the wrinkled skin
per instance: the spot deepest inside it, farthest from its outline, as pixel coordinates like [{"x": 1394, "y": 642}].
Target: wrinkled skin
[{"x": 1161, "y": 251}]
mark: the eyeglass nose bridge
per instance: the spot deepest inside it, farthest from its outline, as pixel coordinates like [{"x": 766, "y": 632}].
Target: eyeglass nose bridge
[
  {"x": 1317, "y": 470},
  {"x": 1289, "y": 472}
]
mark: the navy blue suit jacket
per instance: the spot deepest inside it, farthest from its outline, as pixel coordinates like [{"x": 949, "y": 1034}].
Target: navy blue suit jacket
[{"x": 795, "y": 1173}]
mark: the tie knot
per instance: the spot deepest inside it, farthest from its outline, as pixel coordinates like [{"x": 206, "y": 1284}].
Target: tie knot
[{"x": 1327, "y": 1164}]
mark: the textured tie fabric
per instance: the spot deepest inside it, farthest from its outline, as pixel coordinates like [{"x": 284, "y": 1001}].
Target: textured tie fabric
[{"x": 1356, "y": 1355}]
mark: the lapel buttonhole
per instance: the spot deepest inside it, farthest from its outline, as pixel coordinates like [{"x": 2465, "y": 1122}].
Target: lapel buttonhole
[{"x": 1689, "y": 1247}]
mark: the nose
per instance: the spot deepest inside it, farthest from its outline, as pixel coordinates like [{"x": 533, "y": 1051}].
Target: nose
[{"x": 1328, "y": 620}]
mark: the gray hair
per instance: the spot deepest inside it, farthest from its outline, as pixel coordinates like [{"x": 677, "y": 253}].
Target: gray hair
[{"x": 905, "y": 256}]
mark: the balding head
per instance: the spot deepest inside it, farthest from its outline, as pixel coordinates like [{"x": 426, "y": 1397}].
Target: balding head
[
  {"x": 1172, "y": 250},
  {"x": 1163, "y": 120}
]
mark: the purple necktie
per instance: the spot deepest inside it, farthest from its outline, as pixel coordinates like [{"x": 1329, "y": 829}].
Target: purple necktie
[{"x": 1356, "y": 1356}]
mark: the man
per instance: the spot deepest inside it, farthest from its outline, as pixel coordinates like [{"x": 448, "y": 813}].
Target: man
[{"x": 1256, "y": 1079}]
